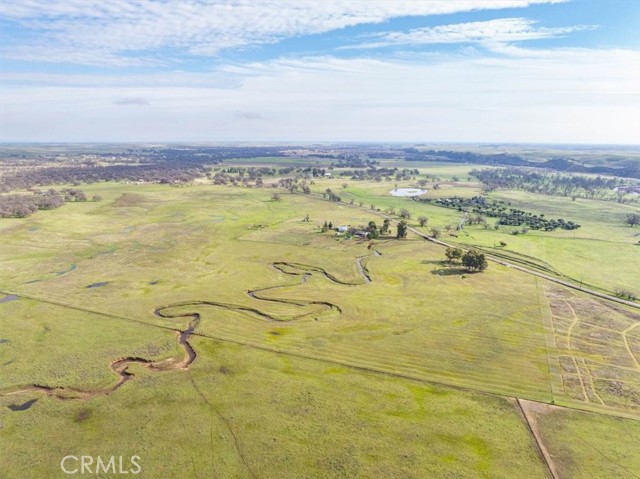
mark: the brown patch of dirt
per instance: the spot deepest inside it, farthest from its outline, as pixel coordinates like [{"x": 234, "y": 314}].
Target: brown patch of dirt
[
  {"x": 554, "y": 291},
  {"x": 572, "y": 387},
  {"x": 596, "y": 330}
]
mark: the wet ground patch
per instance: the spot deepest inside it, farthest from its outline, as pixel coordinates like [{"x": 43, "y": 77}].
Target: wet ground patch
[
  {"x": 9, "y": 297},
  {"x": 24, "y": 406},
  {"x": 73, "y": 267}
]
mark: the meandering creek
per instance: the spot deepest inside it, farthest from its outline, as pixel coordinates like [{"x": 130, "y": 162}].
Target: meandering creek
[{"x": 121, "y": 366}]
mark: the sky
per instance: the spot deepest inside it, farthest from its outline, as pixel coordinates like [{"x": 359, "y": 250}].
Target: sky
[{"x": 511, "y": 71}]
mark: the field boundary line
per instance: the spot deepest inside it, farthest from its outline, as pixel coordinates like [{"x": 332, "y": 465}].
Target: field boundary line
[
  {"x": 542, "y": 449},
  {"x": 368, "y": 369},
  {"x": 400, "y": 375},
  {"x": 86, "y": 310}
]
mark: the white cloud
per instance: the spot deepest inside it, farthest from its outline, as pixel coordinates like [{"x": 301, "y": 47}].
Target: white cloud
[
  {"x": 502, "y": 30},
  {"x": 248, "y": 115},
  {"x": 564, "y": 95},
  {"x": 108, "y": 29},
  {"x": 131, "y": 100}
]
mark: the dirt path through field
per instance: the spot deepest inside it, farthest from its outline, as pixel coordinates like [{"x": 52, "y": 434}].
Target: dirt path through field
[{"x": 529, "y": 410}]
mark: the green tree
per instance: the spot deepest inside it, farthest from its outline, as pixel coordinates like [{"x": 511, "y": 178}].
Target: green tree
[
  {"x": 372, "y": 228},
  {"x": 402, "y": 230},
  {"x": 423, "y": 220},
  {"x": 453, "y": 254},
  {"x": 474, "y": 260},
  {"x": 633, "y": 219},
  {"x": 404, "y": 213}
]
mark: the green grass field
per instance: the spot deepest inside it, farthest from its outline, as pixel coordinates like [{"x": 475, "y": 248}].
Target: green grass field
[
  {"x": 304, "y": 367},
  {"x": 604, "y": 253}
]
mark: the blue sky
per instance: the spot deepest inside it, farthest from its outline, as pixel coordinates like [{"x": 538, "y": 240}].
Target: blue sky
[{"x": 283, "y": 70}]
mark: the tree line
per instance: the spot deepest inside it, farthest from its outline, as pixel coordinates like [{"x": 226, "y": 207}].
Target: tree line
[
  {"x": 574, "y": 186},
  {"x": 505, "y": 214},
  {"x": 626, "y": 170},
  {"x": 158, "y": 173}
]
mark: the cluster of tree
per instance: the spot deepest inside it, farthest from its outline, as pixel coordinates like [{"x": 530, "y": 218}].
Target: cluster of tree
[
  {"x": 574, "y": 186},
  {"x": 374, "y": 232},
  {"x": 422, "y": 182},
  {"x": 371, "y": 230},
  {"x": 626, "y": 294},
  {"x": 378, "y": 174},
  {"x": 182, "y": 164},
  {"x": 208, "y": 154},
  {"x": 506, "y": 216},
  {"x": 157, "y": 173},
  {"x": 331, "y": 195},
  {"x": 413, "y": 154},
  {"x": 345, "y": 161},
  {"x": 21, "y": 206},
  {"x": 327, "y": 226},
  {"x": 627, "y": 170},
  {"x": 313, "y": 172},
  {"x": 179, "y": 164},
  {"x": 293, "y": 185},
  {"x": 73, "y": 194},
  {"x": 473, "y": 260}
]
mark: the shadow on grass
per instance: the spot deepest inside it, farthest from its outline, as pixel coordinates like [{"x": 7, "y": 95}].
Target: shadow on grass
[
  {"x": 450, "y": 271},
  {"x": 433, "y": 261}
]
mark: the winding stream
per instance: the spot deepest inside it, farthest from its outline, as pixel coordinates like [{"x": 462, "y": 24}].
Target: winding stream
[{"x": 121, "y": 366}]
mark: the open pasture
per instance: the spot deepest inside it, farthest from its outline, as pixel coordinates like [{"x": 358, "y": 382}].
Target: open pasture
[
  {"x": 603, "y": 253},
  {"x": 348, "y": 357}
]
